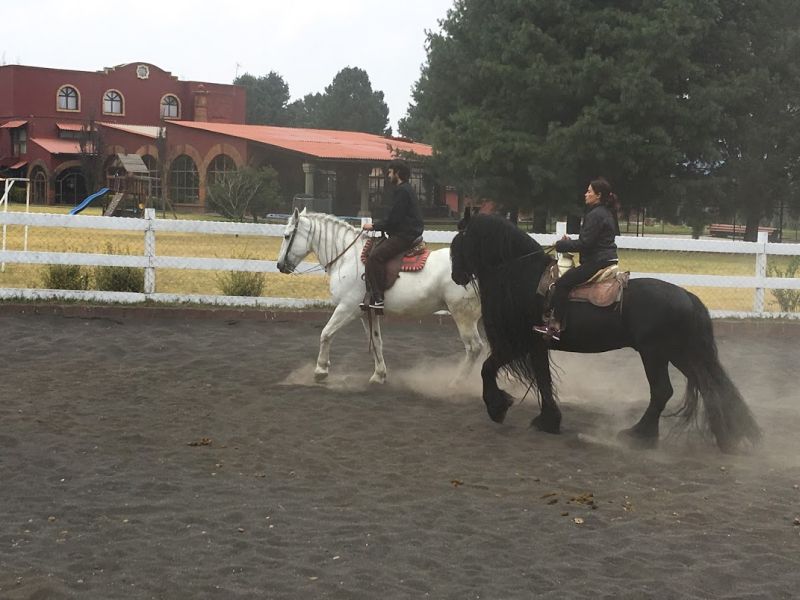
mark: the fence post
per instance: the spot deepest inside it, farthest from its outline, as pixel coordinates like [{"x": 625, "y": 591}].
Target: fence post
[
  {"x": 761, "y": 271},
  {"x": 150, "y": 252}
]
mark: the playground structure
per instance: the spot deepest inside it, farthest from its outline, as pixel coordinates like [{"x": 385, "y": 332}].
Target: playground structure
[
  {"x": 8, "y": 183},
  {"x": 131, "y": 187}
]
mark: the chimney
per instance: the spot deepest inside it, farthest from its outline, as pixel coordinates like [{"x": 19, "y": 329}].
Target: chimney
[{"x": 201, "y": 103}]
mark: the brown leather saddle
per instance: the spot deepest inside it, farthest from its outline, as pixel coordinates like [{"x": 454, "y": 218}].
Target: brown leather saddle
[
  {"x": 411, "y": 260},
  {"x": 605, "y": 288}
]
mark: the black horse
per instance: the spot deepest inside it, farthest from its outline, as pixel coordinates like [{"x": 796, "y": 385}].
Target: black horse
[{"x": 663, "y": 322}]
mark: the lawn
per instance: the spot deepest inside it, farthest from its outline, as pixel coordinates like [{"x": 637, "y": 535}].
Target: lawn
[{"x": 181, "y": 281}]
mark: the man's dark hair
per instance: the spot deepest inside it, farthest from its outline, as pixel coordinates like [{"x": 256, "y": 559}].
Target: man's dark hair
[{"x": 401, "y": 168}]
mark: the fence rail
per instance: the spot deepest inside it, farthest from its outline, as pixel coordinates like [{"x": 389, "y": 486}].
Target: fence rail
[{"x": 150, "y": 261}]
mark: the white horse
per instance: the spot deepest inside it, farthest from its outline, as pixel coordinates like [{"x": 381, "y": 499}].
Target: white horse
[{"x": 338, "y": 246}]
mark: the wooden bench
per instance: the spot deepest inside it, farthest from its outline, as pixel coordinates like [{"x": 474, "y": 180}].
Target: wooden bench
[{"x": 731, "y": 231}]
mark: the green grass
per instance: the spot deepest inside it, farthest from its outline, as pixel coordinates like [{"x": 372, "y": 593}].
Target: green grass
[{"x": 180, "y": 281}]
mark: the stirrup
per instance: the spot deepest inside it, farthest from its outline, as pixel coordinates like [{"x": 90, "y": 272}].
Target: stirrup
[{"x": 549, "y": 332}]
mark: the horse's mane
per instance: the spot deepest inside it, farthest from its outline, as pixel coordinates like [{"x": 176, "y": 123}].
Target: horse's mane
[
  {"x": 508, "y": 264},
  {"x": 330, "y": 235},
  {"x": 326, "y": 217}
]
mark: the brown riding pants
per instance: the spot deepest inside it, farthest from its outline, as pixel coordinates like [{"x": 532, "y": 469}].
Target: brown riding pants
[{"x": 380, "y": 255}]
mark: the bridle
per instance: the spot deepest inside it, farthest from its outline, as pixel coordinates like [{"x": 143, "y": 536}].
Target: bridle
[{"x": 330, "y": 262}]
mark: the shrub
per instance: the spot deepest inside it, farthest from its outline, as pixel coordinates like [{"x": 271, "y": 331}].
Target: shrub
[
  {"x": 788, "y": 300},
  {"x": 241, "y": 283},
  {"x": 119, "y": 279},
  {"x": 65, "y": 277}
]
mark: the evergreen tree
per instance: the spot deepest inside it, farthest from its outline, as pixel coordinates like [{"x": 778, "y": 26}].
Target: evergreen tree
[
  {"x": 267, "y": 99},
  {"x": 526, "y": 100}
]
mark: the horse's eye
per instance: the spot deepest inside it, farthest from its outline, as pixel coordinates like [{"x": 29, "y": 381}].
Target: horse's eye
[{"x": 286, "y": 237}]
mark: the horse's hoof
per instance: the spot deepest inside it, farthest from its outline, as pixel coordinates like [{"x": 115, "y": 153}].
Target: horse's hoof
[
  {"x": 547, "y": 423},
  {"x": 378, "y": 379},
  {"x": 497, "y": 410},
  {"x": 637, "y": 440},
  {"x": 320, "y": 376}
]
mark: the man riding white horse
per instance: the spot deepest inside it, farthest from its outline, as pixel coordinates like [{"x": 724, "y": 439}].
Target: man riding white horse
[{"x": 403, "y": 225}]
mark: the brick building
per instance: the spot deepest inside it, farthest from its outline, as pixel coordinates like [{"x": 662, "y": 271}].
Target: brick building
[{"x": 187, "y": 133}]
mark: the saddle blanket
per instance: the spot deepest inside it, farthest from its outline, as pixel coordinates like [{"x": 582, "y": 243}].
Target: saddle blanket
[{"x": 413, "y": 260}]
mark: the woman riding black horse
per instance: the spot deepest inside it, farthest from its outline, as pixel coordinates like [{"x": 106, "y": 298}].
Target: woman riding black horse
[
  {"x": 596, "y": 246},
  {"x": 663, "y": 322}
]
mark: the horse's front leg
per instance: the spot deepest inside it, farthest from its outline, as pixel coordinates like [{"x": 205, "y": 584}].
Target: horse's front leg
[
  {"x": 372, "y": 325},
  {"x": 497, "y": 401},
  {"x": 549, "y": 418},
  {"x": 342, "y": 315}
]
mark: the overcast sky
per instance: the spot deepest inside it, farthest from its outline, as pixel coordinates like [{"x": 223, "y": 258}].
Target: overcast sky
[{"x": 306, "y": 41}]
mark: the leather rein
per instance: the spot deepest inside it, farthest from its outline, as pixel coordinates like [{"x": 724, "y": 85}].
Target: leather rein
[{"x": 330, "y": 262}]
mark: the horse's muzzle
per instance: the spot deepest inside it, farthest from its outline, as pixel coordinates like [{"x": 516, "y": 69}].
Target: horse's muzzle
[
  {"x": 285, "y": 268},
  {"x": 460, "y": 278}
]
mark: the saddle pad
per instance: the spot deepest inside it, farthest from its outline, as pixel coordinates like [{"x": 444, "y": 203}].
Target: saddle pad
[{"x": 413, "y": 260}]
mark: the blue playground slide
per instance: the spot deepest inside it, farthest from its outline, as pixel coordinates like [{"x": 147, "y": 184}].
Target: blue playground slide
[{"x": 88, "y": 200}]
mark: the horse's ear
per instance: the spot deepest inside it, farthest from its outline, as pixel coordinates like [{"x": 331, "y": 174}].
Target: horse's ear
[
  {"x": 304, "y": 211},
  {"x": 296, "y": 213},
  {"x": 467, "y": 213}
]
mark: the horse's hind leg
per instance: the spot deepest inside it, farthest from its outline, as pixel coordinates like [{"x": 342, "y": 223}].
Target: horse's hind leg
[
  {"x": 341, "y": 316},
  {"x": 466, "y": 320},
  {"x": 372, "y": 325},
  {"x": 645, "y": 433}
]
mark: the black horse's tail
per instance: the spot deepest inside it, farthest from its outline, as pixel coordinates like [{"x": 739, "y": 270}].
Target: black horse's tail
[{"x": 727, "y": 416}]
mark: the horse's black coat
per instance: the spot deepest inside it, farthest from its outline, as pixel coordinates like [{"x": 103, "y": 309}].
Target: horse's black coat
[{"x": 663, "y": 322}]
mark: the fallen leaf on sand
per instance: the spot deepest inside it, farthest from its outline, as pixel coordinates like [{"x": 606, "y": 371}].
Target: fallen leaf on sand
[
  {"x": 796, "y": 522},
  {"x": 457, "y": 482},
  {"x": 578, "y": 520},
  {"x": 587, "y": 499},
  {"x": 201, "y": 442}
]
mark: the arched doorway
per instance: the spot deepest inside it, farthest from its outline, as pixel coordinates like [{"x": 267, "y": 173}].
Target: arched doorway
[{"x": 70, "y": 186}]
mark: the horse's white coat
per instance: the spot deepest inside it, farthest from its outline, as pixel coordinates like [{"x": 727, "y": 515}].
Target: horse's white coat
[{"x": 338, "y": 245}]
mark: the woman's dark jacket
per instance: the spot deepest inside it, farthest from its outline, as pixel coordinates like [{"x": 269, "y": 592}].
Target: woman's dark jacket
[
  {"x": 405, "y": 217},
  {"x": 596, "y": 240}
]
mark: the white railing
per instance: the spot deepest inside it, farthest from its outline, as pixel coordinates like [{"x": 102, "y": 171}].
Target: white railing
[{"x": 151, "y": 262}]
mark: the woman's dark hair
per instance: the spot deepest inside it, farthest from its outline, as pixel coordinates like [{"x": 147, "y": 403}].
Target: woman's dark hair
[
  {"x": 602, "y": 188},
  {"x": 402, "y": 169}
]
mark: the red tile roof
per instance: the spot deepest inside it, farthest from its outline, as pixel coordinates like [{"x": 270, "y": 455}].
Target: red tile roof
[
  {"x": 319, "y": 143},
  {"x": 12, "y": 124},
  {"x": 69, "y": 126},
  {"x": 57, "y": 146}
]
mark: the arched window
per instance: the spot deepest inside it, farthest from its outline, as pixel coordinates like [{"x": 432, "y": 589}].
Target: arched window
[
  {"x": 39, "y": 186},
  {"x": 219, "y": 167},
  {"x": 170, "y": 107},
  {"x": 68, "y": 98},
  {"x": 112, "y": 103},
  {"x": 184, "y": 182}
]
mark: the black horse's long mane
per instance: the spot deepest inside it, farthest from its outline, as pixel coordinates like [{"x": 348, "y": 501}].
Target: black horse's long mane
[{"x": 507, "y": 265}]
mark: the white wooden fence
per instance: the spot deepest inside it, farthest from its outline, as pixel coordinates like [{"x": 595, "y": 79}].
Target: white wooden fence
[{"x": 150, "y": 226}]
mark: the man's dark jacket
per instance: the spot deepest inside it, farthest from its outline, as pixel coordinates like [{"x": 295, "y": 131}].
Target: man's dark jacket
[
  {"x": 405, "y": 217},
  {"x": 596, "y": 240}
]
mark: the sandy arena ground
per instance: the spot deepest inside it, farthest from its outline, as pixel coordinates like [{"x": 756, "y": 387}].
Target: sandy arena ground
[{"x": 155, "y": 454}]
